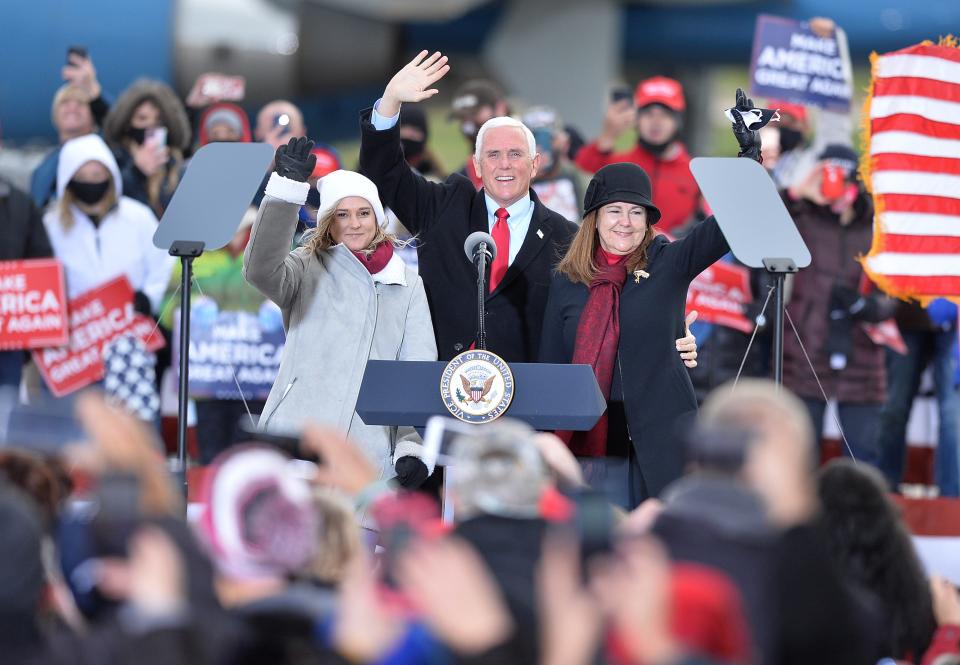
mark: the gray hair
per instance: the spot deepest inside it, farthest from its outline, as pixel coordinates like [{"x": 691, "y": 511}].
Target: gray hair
[
  {"x": 499, "y": 471},
  {"x": 505, "y": 121}
]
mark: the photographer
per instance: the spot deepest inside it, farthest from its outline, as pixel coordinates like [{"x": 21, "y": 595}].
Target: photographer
[
  {"x": 831, "y": 300},
  {"x": 656, "y": 111},
  {"x": 149, "y": 131},
  {"x": 78, "y": 108}
]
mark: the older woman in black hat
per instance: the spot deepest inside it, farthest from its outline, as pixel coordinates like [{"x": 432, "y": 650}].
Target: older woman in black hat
[{"x": 617, "y": 302}]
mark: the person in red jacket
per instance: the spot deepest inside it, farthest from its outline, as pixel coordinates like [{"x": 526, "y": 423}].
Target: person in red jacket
[{"x": 658, "y": 116}]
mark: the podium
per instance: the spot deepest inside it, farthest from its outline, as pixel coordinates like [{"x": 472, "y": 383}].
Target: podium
[{"x": 546, "y": 396}]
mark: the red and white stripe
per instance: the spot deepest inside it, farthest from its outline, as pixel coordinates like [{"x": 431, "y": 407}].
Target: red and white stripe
[{"x": 915, "y": 171}]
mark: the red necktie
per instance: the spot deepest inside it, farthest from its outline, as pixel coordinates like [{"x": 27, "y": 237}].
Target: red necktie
[{"x": 501, "y": 236}]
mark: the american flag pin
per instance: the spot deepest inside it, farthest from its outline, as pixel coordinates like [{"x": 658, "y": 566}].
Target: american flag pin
[{"x": 540, "y": 234}]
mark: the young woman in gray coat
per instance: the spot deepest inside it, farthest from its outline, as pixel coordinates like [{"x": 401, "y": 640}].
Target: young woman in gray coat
[{"x": 346, "y": 298}]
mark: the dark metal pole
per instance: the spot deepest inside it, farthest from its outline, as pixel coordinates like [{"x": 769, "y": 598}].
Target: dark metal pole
[
  {"x": 778, "y": 320},
  {"x": 481, "y": 296},
  {"x": 186, "y": 276}
]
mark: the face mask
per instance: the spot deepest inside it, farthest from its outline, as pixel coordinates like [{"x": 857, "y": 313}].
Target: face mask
[
  {"x": 412, "y": 150},
  {"x": 89, "y": 192},
  {"x": 137, "y": 134},
  {"x": 655, "y": 149},
  {"x": 790, "y": 139}
]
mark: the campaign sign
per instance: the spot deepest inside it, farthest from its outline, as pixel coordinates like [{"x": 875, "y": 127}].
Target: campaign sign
[
  {"x": 792, "y": 63},
  {"x": 33, "y": 304},
  {"x": 96, "y": 317},
  {"x": 719, "y": 295},
  {"x": 230, "y": 347}
]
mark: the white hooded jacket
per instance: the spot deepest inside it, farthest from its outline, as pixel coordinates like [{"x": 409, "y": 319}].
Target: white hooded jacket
[{"x": 122, "y": 244}]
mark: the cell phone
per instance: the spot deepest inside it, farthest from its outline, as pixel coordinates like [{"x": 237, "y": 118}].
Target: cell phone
[
  {"x": 282, "y": 120},
  {"x": 594, "y": 524},
  {"x": 403, "y": 519},
  {"x": 286, "y": 442},
  {"x": 438, "y": 437},
  {"x": 80, "y": 51},
  {"x": 155, "y": 136},
  {"x": 621, "y": 94},
  {"x": 832, "y": 182}
]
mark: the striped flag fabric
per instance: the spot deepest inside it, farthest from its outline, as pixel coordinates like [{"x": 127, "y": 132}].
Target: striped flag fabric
[{"x": 911, "y": 164}]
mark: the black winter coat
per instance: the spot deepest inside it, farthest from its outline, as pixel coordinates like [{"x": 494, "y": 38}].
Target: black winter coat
[
  {"x": 442, "y": 215},
  {"x": 22, "y": 234},
  {"x": 657, "y": 393}
]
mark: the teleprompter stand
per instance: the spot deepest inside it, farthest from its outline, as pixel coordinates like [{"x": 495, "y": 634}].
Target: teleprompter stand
[
  {"x": 757, "y": 226},
  {"x": 205, "y": 212}
]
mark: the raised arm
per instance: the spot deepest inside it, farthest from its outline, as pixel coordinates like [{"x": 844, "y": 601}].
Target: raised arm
[
  {"x": 268, "y": 263},
  {"x": 705, "y": 244},
  {"x": 414, "y": 199}
]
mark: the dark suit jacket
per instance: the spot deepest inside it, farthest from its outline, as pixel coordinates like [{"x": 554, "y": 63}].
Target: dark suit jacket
[{"x": 442, "y": 215}]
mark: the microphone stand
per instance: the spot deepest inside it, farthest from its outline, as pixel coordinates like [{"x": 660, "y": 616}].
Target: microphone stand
[{"x": 480, "y": 256}]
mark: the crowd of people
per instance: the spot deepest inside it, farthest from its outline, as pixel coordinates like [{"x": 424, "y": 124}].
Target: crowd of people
[{"x": 691, "y": 524}]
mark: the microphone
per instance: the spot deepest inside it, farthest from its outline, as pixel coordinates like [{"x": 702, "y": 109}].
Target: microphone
[
  {"x": 478, "y": 242},
  {"x": 481, "y": 249}
]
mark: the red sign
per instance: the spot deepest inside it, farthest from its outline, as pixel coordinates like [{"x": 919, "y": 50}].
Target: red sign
[
  {"x": 33, "y": 310},
  {"x": 96, "y": 317},
  {"x": 719, "y": 294}
]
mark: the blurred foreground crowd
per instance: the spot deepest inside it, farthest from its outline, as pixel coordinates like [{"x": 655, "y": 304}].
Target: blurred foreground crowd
[
  {"x": 753, "y": 556},
  {"x": 310, "y": 555}
]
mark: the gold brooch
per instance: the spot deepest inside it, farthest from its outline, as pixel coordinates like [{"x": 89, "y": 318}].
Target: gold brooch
[{"x": 637, "y": 274}]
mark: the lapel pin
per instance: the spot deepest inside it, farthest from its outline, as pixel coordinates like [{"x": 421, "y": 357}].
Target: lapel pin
[
  {"x": 637, "y": 274},
  {"x": 540, "y": 234}
]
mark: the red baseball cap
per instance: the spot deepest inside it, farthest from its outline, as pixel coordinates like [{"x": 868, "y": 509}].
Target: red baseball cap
[
  {"x": 660, "y": 90},
  {"x": 328, "y": 161}
]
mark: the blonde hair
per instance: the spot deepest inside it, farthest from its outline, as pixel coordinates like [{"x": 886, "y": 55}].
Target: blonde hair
[
  {"x": 321, "y": 238},
  {"x": 66, "y": 92},
  {"x": 579, "y": 265},
  {"x": 340, "y": 542}
]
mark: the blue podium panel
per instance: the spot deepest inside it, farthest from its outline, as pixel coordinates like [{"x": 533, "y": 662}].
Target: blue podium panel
[{"x": 546, "y": 396}]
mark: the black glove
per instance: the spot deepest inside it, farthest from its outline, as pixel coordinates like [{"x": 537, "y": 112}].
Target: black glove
[
  {"x": 749, "y": 140},
  {"x": 411, "y": 472},
  {"x": 294, "y": 160},
  {"x": 141, "y": 304}
]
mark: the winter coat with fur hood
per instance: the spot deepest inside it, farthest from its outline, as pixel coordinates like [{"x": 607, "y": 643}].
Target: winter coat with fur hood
[
  {"x": 157, "y": 192},
  {"x": 337, "y": 316}
]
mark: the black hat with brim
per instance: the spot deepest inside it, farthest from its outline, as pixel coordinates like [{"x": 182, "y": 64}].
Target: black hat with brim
[{"x": 621, "y": 182}]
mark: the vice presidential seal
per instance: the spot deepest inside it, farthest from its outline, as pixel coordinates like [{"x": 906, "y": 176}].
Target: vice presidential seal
[{"x": 477, "y": 386}]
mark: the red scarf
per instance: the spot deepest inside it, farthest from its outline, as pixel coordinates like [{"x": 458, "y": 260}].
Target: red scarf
[
  {"x": 598, "y": 336},
  {"x": 378, "y": 259}
]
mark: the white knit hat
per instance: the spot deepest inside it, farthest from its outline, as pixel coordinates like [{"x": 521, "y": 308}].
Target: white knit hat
[{"x": 340, "y": 184}]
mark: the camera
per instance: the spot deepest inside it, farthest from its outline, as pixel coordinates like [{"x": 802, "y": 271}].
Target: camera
[{"x": 282, "y": 120}]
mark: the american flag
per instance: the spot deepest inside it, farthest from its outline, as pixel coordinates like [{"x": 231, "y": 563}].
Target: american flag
[{"x": 912, "y": 119}]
